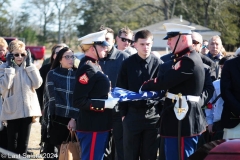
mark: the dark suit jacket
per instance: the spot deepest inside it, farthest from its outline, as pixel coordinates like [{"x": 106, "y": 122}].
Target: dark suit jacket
[
  {"x": 230, "y": 91},
  {"x": 206, "y": 60}
]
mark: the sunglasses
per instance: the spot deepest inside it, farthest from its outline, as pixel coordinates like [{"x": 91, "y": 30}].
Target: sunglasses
[
  {"x": 125, "y": 39},
  {"x": 195, "y": 42},
  {"x": 69, "y": 57},
  {"x": 18, "y": 54},
  {"x": 204, "y": 46}
]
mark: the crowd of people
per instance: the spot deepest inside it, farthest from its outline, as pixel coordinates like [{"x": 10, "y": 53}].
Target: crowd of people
[{"x": 201, "y": 104}]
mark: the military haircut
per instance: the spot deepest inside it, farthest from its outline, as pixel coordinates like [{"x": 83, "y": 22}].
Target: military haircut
[{"x": 143, "y": 34}]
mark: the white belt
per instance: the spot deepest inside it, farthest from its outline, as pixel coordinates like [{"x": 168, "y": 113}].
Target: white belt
[{"x": 188, "y": 97}]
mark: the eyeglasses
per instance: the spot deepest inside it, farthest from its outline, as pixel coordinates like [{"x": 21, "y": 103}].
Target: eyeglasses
[
  {"x": 69, "y": 57},
  {"x": 195, "y": 42},
  {"x": 204, "y": 46},
  {"x": 125, "y": 39},
  {"x": 18, "y": 54}
]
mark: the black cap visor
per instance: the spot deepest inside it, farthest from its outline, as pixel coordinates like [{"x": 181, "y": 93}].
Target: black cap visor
[
  {"x": 102, "y": 43},
  {"x": 171, "y": 34}
]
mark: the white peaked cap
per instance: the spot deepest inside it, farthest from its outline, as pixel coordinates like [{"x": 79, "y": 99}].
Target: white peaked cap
[
  {"x": 174, "y": 29},
  {"x": 94, "y": 38}
]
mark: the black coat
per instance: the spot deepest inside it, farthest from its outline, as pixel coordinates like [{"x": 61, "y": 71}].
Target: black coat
[
  {"x": 40, "y": 91},
  {"x": 230, "y": 91},
  {"x": 208, "y": 87},
  {"x": 91, "y": 83},
  {"x": 187, "y": 78},
  {"x": 133, "y": 73},
  {"x": 206, "y": 60}
]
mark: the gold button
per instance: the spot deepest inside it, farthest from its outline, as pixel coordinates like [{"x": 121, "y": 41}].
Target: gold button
[
  {"x": 96, "y": 108},
  {"x": 92, "y": 107},
  {"x": 101, "y": 108}
]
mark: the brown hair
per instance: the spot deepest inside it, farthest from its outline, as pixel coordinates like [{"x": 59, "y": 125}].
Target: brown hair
[
  {"x": 125, "y": 30},
  {"x": 109, "y": 30},
  {"x": 54, "y": 49},
  {"x": 143, "y": 34}
]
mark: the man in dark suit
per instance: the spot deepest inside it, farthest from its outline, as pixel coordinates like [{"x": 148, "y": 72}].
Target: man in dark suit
[
  {"x": 140, "y": 133},
  {"x": 230, "y": 91},
  {"x": 197, "y": 45}
]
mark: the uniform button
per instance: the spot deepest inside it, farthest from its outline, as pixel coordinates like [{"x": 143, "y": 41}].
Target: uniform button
[
  {"x": 101, "y": 108},
  {"x": 92, "y": 107},
  {"x": 96, "y": 108}
]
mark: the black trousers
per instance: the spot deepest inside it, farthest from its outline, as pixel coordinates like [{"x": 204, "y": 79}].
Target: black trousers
[
  {"x": 140, "y": 138},
  {"x": 18, "y": 134},
  {"x": 118, "y": 135},
  {"x": 3, "y": 138}
]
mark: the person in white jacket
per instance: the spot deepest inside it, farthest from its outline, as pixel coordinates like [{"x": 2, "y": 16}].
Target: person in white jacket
[{"x": 18, "y": 80}]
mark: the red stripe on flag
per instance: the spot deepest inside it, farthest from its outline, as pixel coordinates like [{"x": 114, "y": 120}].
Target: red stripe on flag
[
  {"x": 93, "y": 143},
  {"x": 182, "y": 148}
]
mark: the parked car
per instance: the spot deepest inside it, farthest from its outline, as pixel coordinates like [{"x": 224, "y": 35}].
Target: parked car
[{"x": 38, "y": 52}]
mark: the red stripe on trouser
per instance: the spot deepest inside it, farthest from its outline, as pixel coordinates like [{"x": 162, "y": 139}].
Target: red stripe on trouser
[
  {"x": 93, "y": 143},
  {"x": 182, "y": 148}
]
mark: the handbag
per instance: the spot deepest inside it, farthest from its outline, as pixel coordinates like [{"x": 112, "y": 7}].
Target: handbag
[{"x": 70, "y": 150}]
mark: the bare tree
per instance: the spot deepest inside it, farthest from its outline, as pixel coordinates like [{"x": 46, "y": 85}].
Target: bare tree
[
  {"x": 67, "y": 16},
  {"x": 45, "y": 8}
]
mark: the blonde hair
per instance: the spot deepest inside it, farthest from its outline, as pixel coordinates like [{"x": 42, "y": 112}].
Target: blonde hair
[
  {"x": 84, "y": 47},
  {"x": 224, "y": 52},
  {"x": 16, "y": 45},
  {"x": 3, "y": 42}
]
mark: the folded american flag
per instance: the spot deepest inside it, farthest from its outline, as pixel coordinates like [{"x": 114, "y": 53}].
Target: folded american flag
[{"x": 126, "y": 95}]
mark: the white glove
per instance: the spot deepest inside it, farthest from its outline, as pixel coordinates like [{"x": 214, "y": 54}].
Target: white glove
[{"x": 111, "y": 102}]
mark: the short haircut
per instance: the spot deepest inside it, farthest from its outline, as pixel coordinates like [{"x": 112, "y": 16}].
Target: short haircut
[
  {"x": 205, "y": 40},
  {"x": 3, "y": 42},
  {"x": 109, "y": 30},
  {"x": 125, "y": 30},
  {"x": 143, "y": 34},
  {"x": 215, "y": 37},
  {"x": 84, "y": 47},
  {"x": 16, "y": 45},
  {"x": 224, "y": 59}
]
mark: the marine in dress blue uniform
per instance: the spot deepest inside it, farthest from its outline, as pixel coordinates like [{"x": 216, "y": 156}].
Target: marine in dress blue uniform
[
  {"x": 91, "y": 97},
  {"x": 181, "y": 115}
]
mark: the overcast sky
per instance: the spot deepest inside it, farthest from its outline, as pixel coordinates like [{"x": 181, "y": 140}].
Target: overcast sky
[{"x": 16, "y": 4}]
